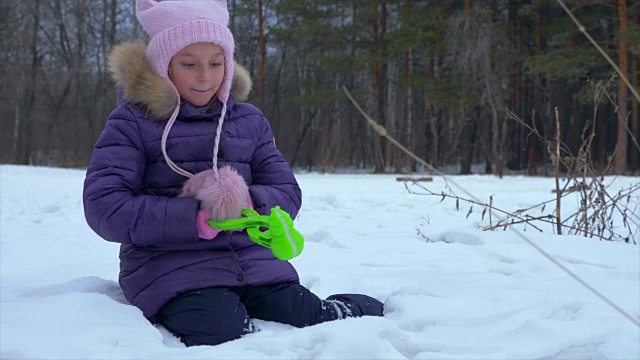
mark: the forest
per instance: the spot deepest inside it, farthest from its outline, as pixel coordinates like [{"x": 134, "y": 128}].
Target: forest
[{"x": 470, "y": 86}]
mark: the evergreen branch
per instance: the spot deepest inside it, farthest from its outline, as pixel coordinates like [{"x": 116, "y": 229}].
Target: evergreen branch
[{"x": 584, "y": 31}]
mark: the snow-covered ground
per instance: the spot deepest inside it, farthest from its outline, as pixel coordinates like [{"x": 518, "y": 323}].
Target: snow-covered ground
[{"x": 464, "y": 294}]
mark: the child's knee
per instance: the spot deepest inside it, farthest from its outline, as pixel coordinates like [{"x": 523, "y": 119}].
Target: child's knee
[
  {"x": 195, "y": 333},
  {"x": 205, "y": 317},
  {"x": 214, "y": 338}
]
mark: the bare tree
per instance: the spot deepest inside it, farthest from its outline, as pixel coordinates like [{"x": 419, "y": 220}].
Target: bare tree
[
  {"x": 27, "y": 52},
  {"x": 475, "y": 54},
  {"x": 379, "y": 78},
  {"x": 623, "y": 92}
]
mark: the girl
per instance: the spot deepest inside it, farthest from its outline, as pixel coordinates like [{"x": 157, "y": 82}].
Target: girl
[{"x": 180, "y": 149}]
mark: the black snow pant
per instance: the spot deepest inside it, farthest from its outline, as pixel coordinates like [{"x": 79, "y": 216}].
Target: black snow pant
[{"x": 212, "y": 316}]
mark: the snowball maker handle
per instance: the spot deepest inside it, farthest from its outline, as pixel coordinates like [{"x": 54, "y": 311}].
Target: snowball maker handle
[{"x": 279, "y": 235}]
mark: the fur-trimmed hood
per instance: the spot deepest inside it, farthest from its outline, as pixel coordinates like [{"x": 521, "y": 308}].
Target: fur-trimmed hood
[{"x": 132, "y": 72}]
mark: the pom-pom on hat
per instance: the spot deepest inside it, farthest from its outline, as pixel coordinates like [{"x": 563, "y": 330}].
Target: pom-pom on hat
[{"x": 174, "y": 24}]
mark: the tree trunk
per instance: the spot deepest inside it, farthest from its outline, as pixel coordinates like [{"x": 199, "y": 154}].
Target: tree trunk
[
  {"x": 262, "y": 43},
  {"x": 26, "y": 92},
  {"x": 404, "y": 121},
  {"x": 620, "y": 162},
  {"x": 635, "y": 116},
  {"x": 377, "y": 72},
  {"x": 467, "y": 133},
  {"x": 497, "y": 126},
  {"x": 468, "y": 136}
]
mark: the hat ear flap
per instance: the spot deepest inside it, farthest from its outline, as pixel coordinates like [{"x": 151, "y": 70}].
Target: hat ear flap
[{"x": 144, "y": 5}]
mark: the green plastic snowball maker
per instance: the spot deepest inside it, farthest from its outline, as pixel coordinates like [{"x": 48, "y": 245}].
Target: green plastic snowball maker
[{"x": 284, "y": 241}]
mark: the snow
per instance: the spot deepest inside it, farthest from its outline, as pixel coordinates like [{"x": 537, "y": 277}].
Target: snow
[{"x": 451, "y": 291}]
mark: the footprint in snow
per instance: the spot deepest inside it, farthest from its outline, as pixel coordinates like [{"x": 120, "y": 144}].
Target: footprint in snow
[
  {"x": 326, "y": 201},
  {"x": 575, "y": 261},
  {"x": 51, "y": 208},
  {"x": 457, "y": 237},
  {"x": 583, "y": 351},
  {"x": 86, "y": 284},
  {"x": 503, "y": 259},
  {"x": 508, "y": 271},
  {"x": 323, "y": 237},
  {"x": 566, "y": 312}
]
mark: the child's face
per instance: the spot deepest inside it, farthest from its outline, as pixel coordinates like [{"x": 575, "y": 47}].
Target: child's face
[{"x": 197, "y": 72}]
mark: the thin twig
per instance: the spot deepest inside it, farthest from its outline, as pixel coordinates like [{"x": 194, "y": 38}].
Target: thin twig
[{"x": 558, "y": 197}]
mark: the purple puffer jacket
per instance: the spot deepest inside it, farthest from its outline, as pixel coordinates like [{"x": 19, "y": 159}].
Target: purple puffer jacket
[{"x": 130, "y": 194}]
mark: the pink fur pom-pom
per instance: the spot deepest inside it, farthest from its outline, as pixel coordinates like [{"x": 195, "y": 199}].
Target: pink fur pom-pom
[
  {"x": 223, "y": 198},
  {"x": 190, "y": 188}
]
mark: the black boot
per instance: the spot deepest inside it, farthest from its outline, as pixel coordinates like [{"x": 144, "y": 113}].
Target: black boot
[{"x": 356, "y": 305}]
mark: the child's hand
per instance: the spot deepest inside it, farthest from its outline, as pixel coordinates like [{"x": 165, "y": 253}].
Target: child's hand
[{"x": 204, "y": 230}]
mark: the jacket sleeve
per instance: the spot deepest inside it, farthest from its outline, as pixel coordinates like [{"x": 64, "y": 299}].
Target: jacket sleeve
[
  {"x": 113, "y": 206},
  {"x": 273, "y": 182}
]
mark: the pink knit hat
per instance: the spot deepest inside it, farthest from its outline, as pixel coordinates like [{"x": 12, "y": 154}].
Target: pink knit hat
[{"x": 173, "y": 25}]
